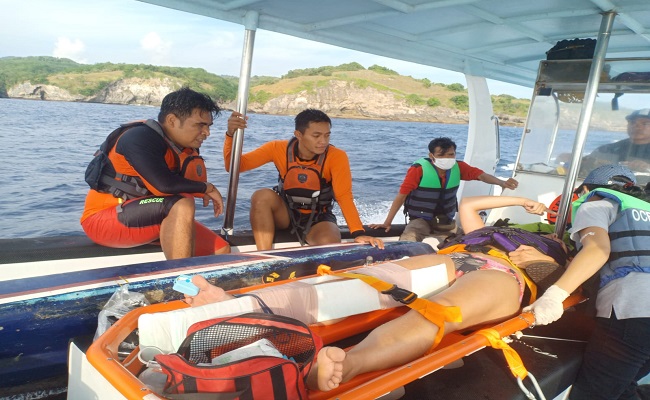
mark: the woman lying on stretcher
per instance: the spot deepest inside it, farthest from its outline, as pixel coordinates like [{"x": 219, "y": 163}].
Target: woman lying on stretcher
[{"x": 482, "y": 288}]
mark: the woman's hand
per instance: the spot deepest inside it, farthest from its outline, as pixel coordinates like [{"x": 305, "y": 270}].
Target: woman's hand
[
  {"x": 535, "y": 207},
  {"x": 525, "y": 255}
]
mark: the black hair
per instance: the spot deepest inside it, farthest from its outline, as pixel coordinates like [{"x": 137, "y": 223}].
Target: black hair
[
  {"x": 305, "y": 117},
  {"x": 632, "y": 190},
  {"x": 182, "y": 102},
  {"x": 443, "y": 142}
]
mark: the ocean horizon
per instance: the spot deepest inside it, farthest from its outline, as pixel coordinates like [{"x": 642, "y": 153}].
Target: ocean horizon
[{"x": 44, "y": 189}]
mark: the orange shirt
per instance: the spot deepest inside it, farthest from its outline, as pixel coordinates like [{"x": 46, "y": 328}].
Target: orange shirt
[{"x": 336, "y": 170}]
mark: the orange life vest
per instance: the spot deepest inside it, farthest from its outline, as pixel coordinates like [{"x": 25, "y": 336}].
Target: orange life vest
[
  {"x": 303, "y": 186},
  {"x": 304, "y": 190},
  {"x": 121, "y": 180},
  {"x": 555, "y": 205}
]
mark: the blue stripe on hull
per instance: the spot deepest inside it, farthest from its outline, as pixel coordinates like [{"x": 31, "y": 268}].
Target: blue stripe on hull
[
  {"x": 35, "y": 333},
  {"x": 76, "y": 278}
]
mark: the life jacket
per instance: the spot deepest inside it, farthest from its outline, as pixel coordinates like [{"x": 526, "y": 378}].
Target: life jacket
[
  {"x": 555, "y": 205},
  {"x": 304, "y": 188},
  {"x": 629, "y": 235},
  {"x": 430, "y": 199},
  {"x": 507, "y": 239},
  {"x": 109, "y": 172},
  {"x": 490, "y": 238}
]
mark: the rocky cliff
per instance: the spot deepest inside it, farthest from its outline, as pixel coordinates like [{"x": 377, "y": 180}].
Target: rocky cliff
[
  {"x": 28, "y": 91},
  {"x": 136, "y": 91},
  {"x": 346, "y": 100},
  {"x": 339, "y": 99}
]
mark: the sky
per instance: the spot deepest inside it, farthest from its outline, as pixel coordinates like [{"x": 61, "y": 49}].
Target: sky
[{"x": 132, "y": 32}]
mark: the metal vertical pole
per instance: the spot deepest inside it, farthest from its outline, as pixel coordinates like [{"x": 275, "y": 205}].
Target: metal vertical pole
[
  {"x": 585, "y": 117},
  {"x": 251, "y": 20}
]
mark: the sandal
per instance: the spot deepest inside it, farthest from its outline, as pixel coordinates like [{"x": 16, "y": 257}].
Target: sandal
[{"x": 544, "y": 274}]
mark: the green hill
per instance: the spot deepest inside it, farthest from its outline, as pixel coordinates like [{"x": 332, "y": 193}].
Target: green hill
[{"x": 88, "y": 80}]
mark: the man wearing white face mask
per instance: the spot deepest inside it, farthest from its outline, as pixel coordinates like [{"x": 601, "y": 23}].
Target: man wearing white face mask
[{"x": 428, "y": 192}]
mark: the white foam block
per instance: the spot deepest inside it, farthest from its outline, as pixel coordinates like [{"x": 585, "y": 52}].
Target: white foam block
[
  {"x": 167, "y": 330},
  {"x": 339, "y": 298},
  {"x": 430, "y": 280},
  {"x": 342, "y": 298}
]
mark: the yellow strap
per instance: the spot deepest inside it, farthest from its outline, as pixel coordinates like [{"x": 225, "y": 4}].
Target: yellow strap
[
  {"x": 434, "y": 312},
  {"x": 460, "y": 248},
  {"x": 512, "y": 358}
]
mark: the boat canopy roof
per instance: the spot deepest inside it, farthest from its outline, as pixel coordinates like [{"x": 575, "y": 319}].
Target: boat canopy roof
[{"x": 502, "y": 40}]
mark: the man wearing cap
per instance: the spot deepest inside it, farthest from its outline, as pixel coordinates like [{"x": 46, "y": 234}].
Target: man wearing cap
[
  {"x": 611, "y": 227},
  {"x": 633, "y": 152}
]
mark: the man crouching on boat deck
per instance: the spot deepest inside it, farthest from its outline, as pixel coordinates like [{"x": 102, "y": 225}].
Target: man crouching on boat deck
[
  {"x": 312, "y": 175},
  {"x": 146, "y": 190}
]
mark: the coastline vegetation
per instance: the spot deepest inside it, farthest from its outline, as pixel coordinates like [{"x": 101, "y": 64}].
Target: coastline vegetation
[{"x": 88, "y": 80}]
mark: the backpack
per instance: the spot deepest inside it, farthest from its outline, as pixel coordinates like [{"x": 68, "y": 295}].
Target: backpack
[
  {"x": 507, "y": 239},
  {"x": 258, "y": 377},
  {"x": 575, "y": 49}
]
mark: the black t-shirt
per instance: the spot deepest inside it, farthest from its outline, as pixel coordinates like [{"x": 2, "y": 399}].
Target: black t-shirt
[
  {"x": 613, "y": 153},
  {"x": 625, "y": 150}
]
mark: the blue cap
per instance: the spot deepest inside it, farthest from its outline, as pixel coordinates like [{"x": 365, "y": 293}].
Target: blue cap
[
  {"x": 643, "y": 113},
  {"x": 609, "y": 175}
]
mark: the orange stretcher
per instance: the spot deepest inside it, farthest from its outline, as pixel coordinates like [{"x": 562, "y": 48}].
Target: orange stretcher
[{"x": 103, "y": 353}]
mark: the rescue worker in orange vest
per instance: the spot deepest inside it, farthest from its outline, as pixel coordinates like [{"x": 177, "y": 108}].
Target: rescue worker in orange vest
[
  {"x": 146, "y": 190},
  {"x": 312, "y": 175}
]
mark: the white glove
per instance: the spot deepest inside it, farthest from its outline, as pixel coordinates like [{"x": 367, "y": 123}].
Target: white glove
[{"x": 548, "y": 308}]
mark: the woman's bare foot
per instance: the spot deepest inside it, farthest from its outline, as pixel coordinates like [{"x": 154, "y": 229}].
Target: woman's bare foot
[
  {"x": 329, "y": 369},
  {"x": 208, "y": 293}
]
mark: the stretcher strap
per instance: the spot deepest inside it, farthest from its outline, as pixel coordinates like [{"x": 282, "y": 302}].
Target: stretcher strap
[
  {"x": 512, "y": 358},
  {"x": 434, "y": 312},
  {"x": 460, "y": 248}
]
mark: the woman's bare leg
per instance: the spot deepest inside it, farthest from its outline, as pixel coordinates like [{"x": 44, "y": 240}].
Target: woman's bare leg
[{"x": 482, "y": 296}]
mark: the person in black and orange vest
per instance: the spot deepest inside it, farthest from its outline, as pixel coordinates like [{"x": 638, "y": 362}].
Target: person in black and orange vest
[
  {"x": 145, "y": 177},
  {"x": 312, "y": 175}
]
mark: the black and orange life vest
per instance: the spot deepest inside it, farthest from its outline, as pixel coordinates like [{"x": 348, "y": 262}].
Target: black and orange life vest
[
  {"x": 303, "y": 186},
  {"x": 113, "y": 174}
]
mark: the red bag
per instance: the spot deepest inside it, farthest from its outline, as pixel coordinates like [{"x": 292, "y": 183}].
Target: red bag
[{"x": 253, "y": 378}]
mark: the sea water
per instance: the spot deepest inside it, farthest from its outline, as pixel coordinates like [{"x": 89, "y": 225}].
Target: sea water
[{"x": 47, "y": 145}]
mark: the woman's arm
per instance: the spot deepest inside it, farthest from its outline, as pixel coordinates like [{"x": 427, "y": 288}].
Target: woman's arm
[{"x": 469, "y": 208}]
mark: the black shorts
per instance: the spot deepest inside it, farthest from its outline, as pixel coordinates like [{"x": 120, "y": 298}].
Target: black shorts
[
  {"x": 146, "y": 211},
  {"x": 325, "y": 216},
  {"x": 302, "y": 219}
]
